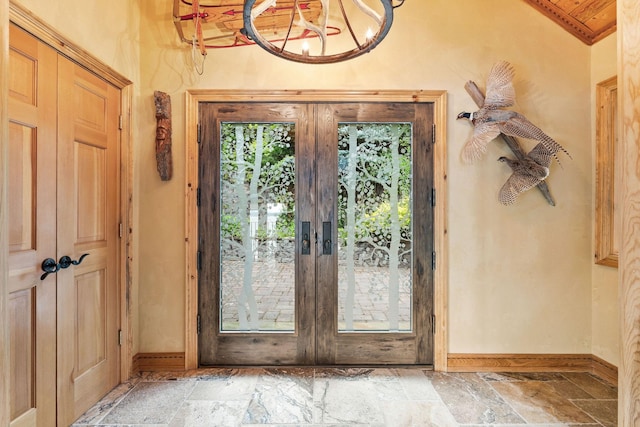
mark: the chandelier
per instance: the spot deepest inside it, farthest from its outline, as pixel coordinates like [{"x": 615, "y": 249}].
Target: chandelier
[
  {"x": 365, "y": 27},
  {"x": 306, "y": 31}
]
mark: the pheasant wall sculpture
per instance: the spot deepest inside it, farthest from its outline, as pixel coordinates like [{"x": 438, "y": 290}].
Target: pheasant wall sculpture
[
  {"x": 491, "y": 120},
  {"x": 527, "y": 173}
]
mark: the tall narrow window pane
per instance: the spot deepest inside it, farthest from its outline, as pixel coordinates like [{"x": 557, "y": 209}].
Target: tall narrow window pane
[
  {"x": 374, "y": 227},
  {"x": 257, "y": 284}
]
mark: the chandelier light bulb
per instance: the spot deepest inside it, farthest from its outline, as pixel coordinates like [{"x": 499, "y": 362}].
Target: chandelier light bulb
[{"x": 369, "y": 35}]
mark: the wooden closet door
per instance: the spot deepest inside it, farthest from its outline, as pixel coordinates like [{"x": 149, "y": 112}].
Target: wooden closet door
[
  {"x": 88, "y": 223},
  {"x": 32, "y": 230},
  {"x": 63, "y": 203}
]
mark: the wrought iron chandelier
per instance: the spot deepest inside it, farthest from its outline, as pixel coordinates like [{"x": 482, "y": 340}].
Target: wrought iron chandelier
[{"x": 300, "y": 30}]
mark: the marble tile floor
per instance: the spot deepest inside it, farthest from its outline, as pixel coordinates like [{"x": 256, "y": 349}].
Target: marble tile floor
[{"x": 364, "y": 397}]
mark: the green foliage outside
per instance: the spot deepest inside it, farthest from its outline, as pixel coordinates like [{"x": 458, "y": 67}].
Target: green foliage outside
[
  {"x": 277, "y": 177},
  {"x": 277, "y": 174},
  {"x": 374, "y": 161}
]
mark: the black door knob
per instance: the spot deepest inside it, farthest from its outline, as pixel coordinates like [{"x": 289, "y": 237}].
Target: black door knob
[
  {"x": 49, "y": 266},
  {"x": 66, "y": 261}
]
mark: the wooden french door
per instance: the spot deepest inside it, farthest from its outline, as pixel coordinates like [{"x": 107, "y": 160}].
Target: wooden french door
[
  {"x": 315, "y": 233},
  {"x": 218, "y": 342},
  {"x": 63, "y": 222}
]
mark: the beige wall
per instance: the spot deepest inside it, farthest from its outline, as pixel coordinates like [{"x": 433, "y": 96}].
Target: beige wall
[
  {"x": 520, "y": 276},
  {"x": 107, "y": 29},
  {"x": 605, "y": 313}
]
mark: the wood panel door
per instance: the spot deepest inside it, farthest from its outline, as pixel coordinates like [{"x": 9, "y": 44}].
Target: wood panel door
[
  {"x": 316, "y": 233},
  {"x": 64, "y": 208},
  {"x": 32, "y": 230},
  {"x": 88, "y": 228}
]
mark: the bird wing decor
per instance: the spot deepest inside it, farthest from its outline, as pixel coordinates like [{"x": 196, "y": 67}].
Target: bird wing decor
[
  {"x": 491, "y": 119},
  {"x": 500, "y": 91},
  {"x": 527, "y": 173}
]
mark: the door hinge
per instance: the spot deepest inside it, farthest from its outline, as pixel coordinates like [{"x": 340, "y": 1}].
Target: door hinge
[
  {"x": 433, "y": 197},
  {"x": 199, "y": 261},
  {"x": 433, "y": 324},
  {"x": 120, "y": 122},
  {"x": 433, "y": 260},
  {"x": 120, "y": 337},
  {"x": 198, "y": 324},
  {"x": 198, "y": 197},
  {"x": 199, "y": 133},
  {"x": 120, "y": 231},
  {"x": 433, "y": 133}
]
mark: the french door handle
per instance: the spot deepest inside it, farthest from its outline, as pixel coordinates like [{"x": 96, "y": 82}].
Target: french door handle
[
  {"x": 326, "y": 238},
  {"x": 305, "y": 232},
  {"x": 49, "y": 266},
  {"x": 66, "y": 261}
]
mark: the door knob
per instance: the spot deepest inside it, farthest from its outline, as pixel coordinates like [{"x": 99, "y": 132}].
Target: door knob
[
  {"x": 66, "y": 261},
  {"x": 49, "y": 265}
]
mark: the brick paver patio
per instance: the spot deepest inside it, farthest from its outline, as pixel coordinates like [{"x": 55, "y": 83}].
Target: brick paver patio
[{"x": 273, "y": 286}]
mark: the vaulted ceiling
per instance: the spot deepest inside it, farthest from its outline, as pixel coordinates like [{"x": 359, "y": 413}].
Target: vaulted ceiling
[{"x": 588, "y": 20}]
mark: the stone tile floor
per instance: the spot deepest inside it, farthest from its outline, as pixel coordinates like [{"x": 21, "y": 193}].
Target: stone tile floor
[{"x": 373, "y": 397}]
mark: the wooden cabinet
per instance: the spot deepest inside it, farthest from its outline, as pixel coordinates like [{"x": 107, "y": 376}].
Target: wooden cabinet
[{"x": 63, "y": 202}]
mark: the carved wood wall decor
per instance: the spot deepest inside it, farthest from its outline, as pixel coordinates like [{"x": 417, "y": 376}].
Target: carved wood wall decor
[{"x": 163, "y": 135}]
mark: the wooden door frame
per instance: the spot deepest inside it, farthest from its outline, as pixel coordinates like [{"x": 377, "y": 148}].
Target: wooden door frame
[
  {"x": 192, "y": 101},
  {"x": 4, "y": 220},
  {"x": 48, "y": 35}
]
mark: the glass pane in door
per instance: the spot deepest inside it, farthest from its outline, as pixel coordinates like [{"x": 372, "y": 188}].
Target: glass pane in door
[
  {"x": 257, "y": 253},
  {"x": 374, "y": 227}
]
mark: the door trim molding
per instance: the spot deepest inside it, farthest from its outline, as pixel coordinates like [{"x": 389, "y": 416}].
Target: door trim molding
[
  {"x": 4, "y": 215},
  {"x": 26, "y": 20},
  {"x": 192, "y": 100}
]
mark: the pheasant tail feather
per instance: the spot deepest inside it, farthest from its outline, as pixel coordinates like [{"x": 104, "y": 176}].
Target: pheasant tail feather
[{"x": 521, "y": 127}]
